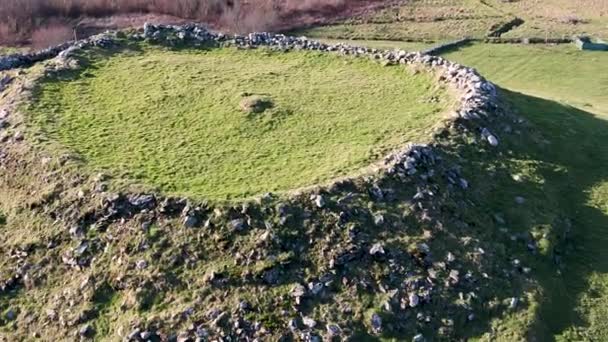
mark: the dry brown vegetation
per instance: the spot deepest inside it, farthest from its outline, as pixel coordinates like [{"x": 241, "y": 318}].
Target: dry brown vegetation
[{"x": 40, "y": 21}]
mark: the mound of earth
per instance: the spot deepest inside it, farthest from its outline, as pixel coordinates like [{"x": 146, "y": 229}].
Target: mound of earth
[{"x": 399, "y": 253}]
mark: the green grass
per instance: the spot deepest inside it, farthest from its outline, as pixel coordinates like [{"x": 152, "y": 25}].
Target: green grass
[
  {"x": 560, "y": 73},
  {"x": 562, "y": 167},
  {"x": 566, "y": 171},
  {"x": 171, "y": 119},
  {"x": 454, "y": 19},
  {"x": 424, "y": 30},
  {"x": 4, "y": 50},
  {"x": 549, "y": 18}
]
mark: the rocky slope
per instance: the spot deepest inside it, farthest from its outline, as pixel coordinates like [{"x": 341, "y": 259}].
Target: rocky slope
[{"x": 399, "y": 254}]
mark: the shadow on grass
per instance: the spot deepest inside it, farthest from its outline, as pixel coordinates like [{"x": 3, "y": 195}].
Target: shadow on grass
[{"x": 562, "y": 162}]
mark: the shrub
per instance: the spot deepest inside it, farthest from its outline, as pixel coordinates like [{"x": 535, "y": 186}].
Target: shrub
[
  {"x": 21, "y": 19},
  {"x": 51, "y": 35}
]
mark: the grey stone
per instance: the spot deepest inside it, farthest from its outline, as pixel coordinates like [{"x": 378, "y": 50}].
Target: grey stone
[
  {"x": 10, "y": 315},
  {"x": 293, "y": 325},
  {"x": 378, "y": 219},
  {"x": 309, "y": 322},
  {"x": 376, "y": 323},
  {"x": 418, "y": 338},
  {"x": 238, "y": 224},
  {"x": 463, "y": 183},
  {"x": 86, "y": 331},
  {"x": 320, "y": 201},
  {"x": 141, "y": 264},
  {"x": 298, "y": 291},
  {"x": 201, "y": 332},
  {"x": 315, "y": 288},
  {"x": 450, "y": 257},
  {"x": 377, "y": 248},
  {"x": 333, "y": 330},
  {"x": 492, "y": 140},
  {"x": 190, "y": 221},
  {"x": 414, "y": 300},
  {"x": 145, "y": 335}
]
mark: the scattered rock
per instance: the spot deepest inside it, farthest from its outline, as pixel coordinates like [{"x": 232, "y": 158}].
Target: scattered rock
[
  {"x": 141, "y": 264},
  {"x": 309, "y": 322},
  {"x": 190, "y": 221},
  {"x": 10, "y": 315},
  {"x": 319, "y": 201},
  {"x": 520, "y": 200},
  {"x": 86, "y": 331},
  {"x": 493, "y": 140},
  {"x": 145, "y": 335},
  {"x": 463, "y": 183},
  {"x": 333, "y": 330},
  {"x": 238, "y": 224},
  {"x": 376, "y": 323},
  {"x": 298, "y": 291},
  {"x": 414, "y": 300},
  {"x": 377, "y": 248},
  {"x": 418, "y": 338},
  {"x": 450, "y": 257},
  {"x": 315, "y": 288},
  {"x": 293, "y": 325},
  {"x": 378, "y": 219}
]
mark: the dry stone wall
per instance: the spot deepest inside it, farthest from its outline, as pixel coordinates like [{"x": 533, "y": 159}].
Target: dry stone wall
[
  {"x": 478, "y": 96},
  {"x": 421, "y": 170}
]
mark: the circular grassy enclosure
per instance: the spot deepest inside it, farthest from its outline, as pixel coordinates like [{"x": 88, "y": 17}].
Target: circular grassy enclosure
[{"x": 227, "y": 123}]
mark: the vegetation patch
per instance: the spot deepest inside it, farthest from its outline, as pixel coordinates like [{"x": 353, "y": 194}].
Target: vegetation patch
[{"x": 174, "y": 119}]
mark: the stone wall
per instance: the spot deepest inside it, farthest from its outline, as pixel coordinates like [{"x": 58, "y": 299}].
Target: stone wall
[
  {"x": 478, "y": 96},
  {"x": 414, "y": 167}
]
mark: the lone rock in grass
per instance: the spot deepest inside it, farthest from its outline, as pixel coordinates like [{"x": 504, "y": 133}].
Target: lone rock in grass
[{"x": 255, "y": 104}]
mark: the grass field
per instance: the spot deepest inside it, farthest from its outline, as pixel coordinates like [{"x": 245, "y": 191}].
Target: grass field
[
  {"x": 560, "y": 73},
  {"x": 171, "y": 119},
  {"x": 434, "y": 31},
  {"x": 454, "y": 19},
  {"x": 556, "y": 18}
]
